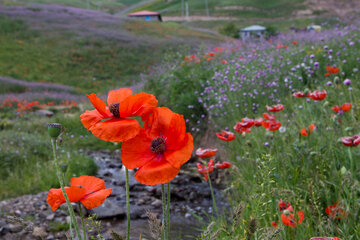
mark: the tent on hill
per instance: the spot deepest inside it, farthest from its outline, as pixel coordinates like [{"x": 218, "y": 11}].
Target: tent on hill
[{"x": 146, "y": 15}]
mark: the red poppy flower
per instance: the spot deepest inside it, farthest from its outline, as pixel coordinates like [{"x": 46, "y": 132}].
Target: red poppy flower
[
  {"x": 160, "y": 149},
  {"x": 335, "y": 211},
  {"x": 343, "y": 108},
  {"x": 307, "y": 132},
  {"x": 318, "y": 95},
  {"x": 244, "y": 125},
  {"x": 288, "y": 218},
  {"x": 274, "y": 224},
  {"x": 223, "y": 165},
  {"x": 283, "y": 205},
  {"x": 226, "y": 136},
  {"x": 206, "y": 170},
  {"x": 209, "y": 59},
  {"x": 331, "y": 70},
  {"x": 294, "y": 42},
  {"x": 224, "y": 61},
  {"x": 269, "y": 117},
  {"x": 271, "y": 125},
  {"x": 258, "y": 122},
  {"x": 325, "y": 238},
  {"x": 117, "y": 127},
  {"x": 299, "y": 94},
  {"x": 351, "y": 141},
  {"x": 211, "y": 54},
  {"x": 90, "y": 191},
  {"x": 205, "y": 153},
  {"x": 275, "y": 108}
]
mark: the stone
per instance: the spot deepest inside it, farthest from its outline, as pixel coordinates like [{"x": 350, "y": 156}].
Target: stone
[
  {"x": 39, "y": 232},
  {"x": 15, "y": 228},
  {"x": 50, "y": 217},
  {"x": 44, "y": 113},
  {"x": 3, "y": 228},
  {"x": 50, "y": 237},
  {"x": 108, "y": 210},
  {"x": 156, "y": 203}
]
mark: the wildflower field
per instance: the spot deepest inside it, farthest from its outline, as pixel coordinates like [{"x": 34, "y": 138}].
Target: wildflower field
[{"x": 267, "y": 128}]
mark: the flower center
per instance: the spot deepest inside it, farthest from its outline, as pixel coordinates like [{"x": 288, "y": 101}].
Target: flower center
[
  {"x": 114, "y": 109},
  {"x": 158, "y": 145}
]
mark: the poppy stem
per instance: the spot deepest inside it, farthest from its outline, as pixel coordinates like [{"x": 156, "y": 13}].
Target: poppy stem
[
  {"x": 351, "y": 160},
  {"x": 164, "y": 219},
  {"x": 58, "y": 172},
  {"x": 212, "y": 195},
  {"x": 168, "y": 210},
  {"x": 127, "y": 204},
  {"x": 82, "y": 219}
]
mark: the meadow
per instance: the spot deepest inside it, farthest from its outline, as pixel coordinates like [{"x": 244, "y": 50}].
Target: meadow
[
  {"x": 310, "y": 170},
  {"x": 290, "y": 102}
]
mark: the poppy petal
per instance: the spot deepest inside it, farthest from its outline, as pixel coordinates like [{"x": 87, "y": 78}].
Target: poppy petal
[
  {"x": 55, "y": 196},
  {"x": 89, "y": 183},
  {"x": 98, "y": 104},
  {"x": 157, "y": 171},
  {"x": 159, "y": 120},
  {"x": 117, "y": 96},
  {"x": 136, "y": 152},
  {"x": 180, "y": 156},
  {"x": 95, "y": 199},
  {"x": 141, "y": 104},
  {"x": 90, "y": 118},
  {"x": 288, "y": 220},
  {"x": 175, "y": 132},
  {"x": 116, "y": 130},
  {"x": 301, "y": 216}
]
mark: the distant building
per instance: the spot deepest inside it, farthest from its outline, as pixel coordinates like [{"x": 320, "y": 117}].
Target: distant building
[
  {"x": 146, "y": 15},
  {"x": 315, "y": 28},
  {"x": 254, "y": 31}
]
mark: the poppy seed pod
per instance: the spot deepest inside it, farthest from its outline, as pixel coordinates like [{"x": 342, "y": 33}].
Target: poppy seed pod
[
  {"x": 343, "y": 171},
  {"x": 336, "y": 80},
  {"x": 54, "y": 129},
  {"x": 286, "y": 212}
]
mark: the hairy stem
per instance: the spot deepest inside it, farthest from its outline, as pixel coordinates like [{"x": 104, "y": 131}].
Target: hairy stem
[
  {"x": 212, "y": 196},
  {"x": 58, "y": 172},
  {"x": 127, "y": 204}
]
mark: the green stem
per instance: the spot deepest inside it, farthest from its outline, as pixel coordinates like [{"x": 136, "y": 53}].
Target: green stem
[
  {"x": 82, "y": 219},
  {"x": 58, "y": 172},
  {"x": 70, "y": 223},
  {"x": 127, "y": 204},
  {"x": 351, "y": 160},
  {"x": 212, "y": 195},
  {"x": 164, "y": 225},
  {"x": 168, "y": 211}
]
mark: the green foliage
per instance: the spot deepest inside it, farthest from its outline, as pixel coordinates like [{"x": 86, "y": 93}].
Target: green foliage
[
  {"x": 58, "y": 226},
  {"x": 230, "y": 30},
  {"x": 271, "y": 31}
]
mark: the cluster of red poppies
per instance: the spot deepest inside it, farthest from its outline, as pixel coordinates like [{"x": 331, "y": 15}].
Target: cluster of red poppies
[
  {"x": 317, "y": 95},
  {"x": 209, "y": 167},
  {"x": 268, "y": 121},
  {"x": 287, "y": 216},
  {"x": 331, "y": 70},
  {"x": 157, "y": 150}
]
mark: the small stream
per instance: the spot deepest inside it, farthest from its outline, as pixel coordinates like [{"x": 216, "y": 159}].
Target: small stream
[{"x": 190, "y": 197}]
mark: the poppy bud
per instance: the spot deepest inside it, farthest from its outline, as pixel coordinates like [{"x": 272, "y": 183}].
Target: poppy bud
[
  {"x": 286, "y": 212},
  {"x": 336, "y": 80},
  {"x": 326, "y": 104},
  {"x": 306, "y": 91},
  {"x": 343, "y": 171},
  {"x": 54, "y": 129},
  {"x": 64, "y": 168},
  {"x": 348, "y": 129},
  {"x": 313, "y": 153}
]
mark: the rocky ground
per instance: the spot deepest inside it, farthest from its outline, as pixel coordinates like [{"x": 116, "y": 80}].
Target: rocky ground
[{"x": 30, "y": 217}]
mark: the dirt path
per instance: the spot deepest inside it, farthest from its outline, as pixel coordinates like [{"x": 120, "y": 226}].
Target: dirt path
[{"x": 123, "y": 12}]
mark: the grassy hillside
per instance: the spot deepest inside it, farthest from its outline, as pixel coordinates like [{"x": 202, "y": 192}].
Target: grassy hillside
[
  {"x": 110, "y": 6},
  {"x": 237, "y": 8}
]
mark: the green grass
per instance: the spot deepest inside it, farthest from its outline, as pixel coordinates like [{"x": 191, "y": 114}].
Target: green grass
[
  {"x": 255, "y": 9},
  {"x": 110, "y": 6},
  {"x": 309, "y": 172}
]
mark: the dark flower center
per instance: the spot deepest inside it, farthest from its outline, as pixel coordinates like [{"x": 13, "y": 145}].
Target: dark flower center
[
  {"x": 114, "y": 109},
  {"x": 158, "y": 145}
]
